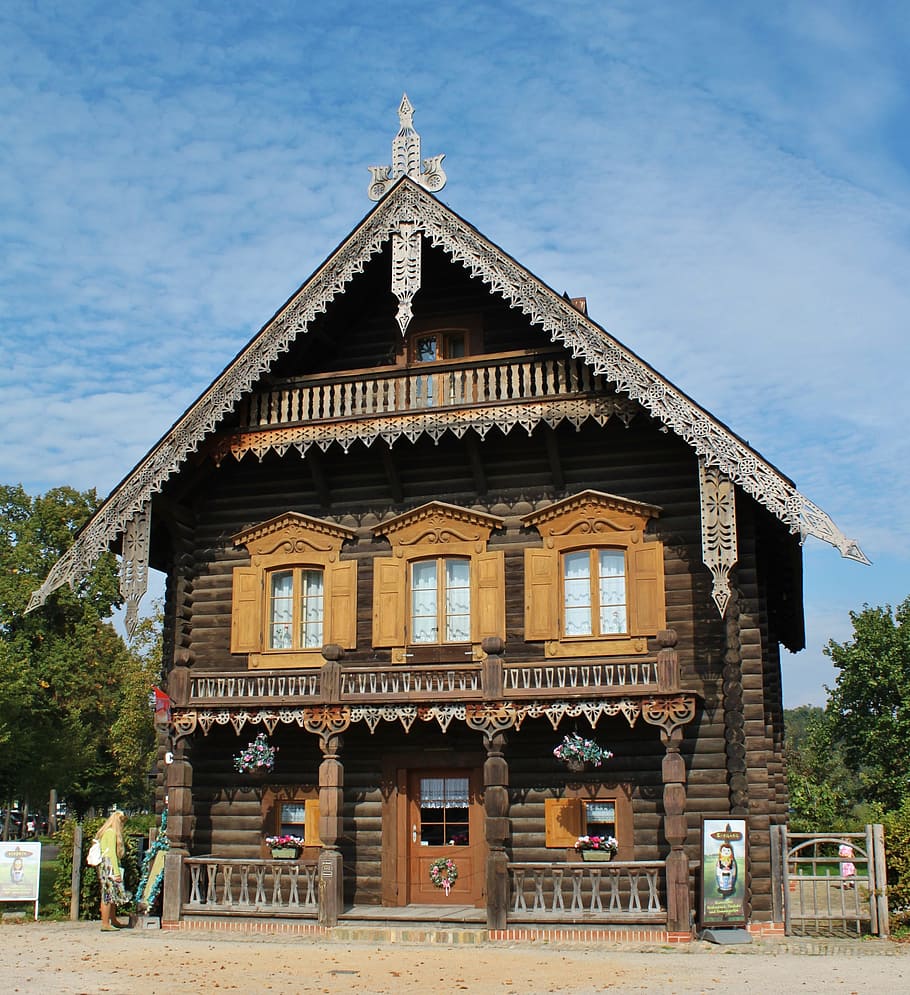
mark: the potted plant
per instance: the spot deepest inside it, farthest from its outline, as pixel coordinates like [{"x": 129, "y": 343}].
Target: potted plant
[
  {"x": 257, "y": 757},
  {"x": 284, "y": 847},
  {"x": 576, "y": 753},
  {"x": 597, "y": 847}
]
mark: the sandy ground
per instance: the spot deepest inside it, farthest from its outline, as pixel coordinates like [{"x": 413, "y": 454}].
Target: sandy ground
[{"x": 68, "y": 958}]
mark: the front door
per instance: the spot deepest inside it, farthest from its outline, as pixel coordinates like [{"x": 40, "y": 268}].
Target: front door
[{"x": 445, "y": 822}]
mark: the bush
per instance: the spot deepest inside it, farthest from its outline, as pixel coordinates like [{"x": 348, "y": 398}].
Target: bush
[
  {"x": 897, "y": 853},
  {"x": 90, "y": 890}
]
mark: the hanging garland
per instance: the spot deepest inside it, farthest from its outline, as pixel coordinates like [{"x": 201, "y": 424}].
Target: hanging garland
[
  {"x": 444, "y": 873},
  {"x": 146, "y": 894}
]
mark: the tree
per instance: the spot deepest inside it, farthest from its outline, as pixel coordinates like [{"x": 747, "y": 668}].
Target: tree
[
  {"x": 824, "y": 793},
  {"x": 61, "y": 667},
  {"x": 870, "y": 703}
]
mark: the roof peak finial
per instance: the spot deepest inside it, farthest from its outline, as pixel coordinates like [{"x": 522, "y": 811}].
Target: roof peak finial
[{"x": 406, "y": 160}]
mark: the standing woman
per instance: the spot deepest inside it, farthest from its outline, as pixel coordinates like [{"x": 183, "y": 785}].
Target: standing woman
[{"x": 110, "y": 870}]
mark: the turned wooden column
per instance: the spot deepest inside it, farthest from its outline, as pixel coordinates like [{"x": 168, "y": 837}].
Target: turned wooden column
[
  {"x": 180, "y": 823},
  {"x": 497, "y": 826},
  {"x": 673, "y": 769},
  {"x": 498, "y": 829},
  {"x": 331, "y": 791}
]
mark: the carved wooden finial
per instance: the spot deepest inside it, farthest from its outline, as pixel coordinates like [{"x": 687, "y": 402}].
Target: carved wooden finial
[{"x": 406, "y": 160}]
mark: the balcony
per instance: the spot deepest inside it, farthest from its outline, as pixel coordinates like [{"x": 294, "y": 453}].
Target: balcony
[
  {"x": 491, "y": 680},
  {"x": 499, "y": 391}
]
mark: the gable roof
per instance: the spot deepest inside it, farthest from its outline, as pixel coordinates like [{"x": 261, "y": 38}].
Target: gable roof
[{"x": 407, "y": 204}]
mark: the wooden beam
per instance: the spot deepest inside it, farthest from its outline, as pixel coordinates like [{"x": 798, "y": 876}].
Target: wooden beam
[{"x": 559, "y": 478}]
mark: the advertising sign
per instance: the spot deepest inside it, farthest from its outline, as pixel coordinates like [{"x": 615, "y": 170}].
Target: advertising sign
[
  {"x": 20, "y": 870},
  {"x": 724, "y": 852}
]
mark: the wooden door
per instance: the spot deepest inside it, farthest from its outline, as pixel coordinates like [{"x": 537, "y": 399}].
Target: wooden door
[{"x": 445, "y": 820}]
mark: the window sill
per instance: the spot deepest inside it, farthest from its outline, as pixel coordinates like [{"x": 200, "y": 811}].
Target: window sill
[
  {"x": 612, "y": 646},
  {"x": 286, "y": 660}
]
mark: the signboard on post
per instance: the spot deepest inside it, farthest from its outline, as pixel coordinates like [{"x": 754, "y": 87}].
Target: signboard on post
[
  {"x": 20, "y": 872},
  {"x": 724, "y": 855}
]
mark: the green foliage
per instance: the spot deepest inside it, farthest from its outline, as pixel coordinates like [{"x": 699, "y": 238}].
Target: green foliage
[
  {"x": 90, "y": 887},
  {"x": 824, "y": 793},
  {"x": 870, "y": 702},
  {"x": 66, "y": 676},
  {"x": 897, "y": 849}
]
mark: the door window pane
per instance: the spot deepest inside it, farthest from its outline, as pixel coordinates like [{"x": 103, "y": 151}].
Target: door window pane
[
  {"x": 444, "y": 805},
  {"x": 612, "y": 569},
  {"x": 312, "y": 607},
  {"x": 424, "y": 623},
  {"x": 458, "y": 601},
  {"x": 577, "y": 593}
]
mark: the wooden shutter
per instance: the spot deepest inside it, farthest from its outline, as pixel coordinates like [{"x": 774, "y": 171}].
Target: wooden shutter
[
  {"x": 564, "y": 818},
  {"x": 388, "y": 601},
  {"x": 341, "y": 624},
  {"x": 541, "y": 594},
  {"x": 311, "y": 822},
  {"x": 647, "y": 606},
  {"x": 488, "y": 593},
  {"x": 245, "y": 610}
]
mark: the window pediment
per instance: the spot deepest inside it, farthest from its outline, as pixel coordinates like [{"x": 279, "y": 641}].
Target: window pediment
[
  {"x": 590, "y": 515},
  {"x": 438, "y": 524},
  {"x": 293, "y": 534}
]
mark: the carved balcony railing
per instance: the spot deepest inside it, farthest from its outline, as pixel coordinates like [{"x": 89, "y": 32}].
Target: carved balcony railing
[
  {"x": 235, "y": 886},
  {"x": 491, "y": 680},
  {"x": 430, "y": 683},
  {"x": 256, "y": 686},
  {"x": 453, "y": 384},
  {"x": 618, "y": 891},
  {"x": 545, "y": 680}
]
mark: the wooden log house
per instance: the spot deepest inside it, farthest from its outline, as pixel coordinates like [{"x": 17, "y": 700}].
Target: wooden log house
[{"x": 430, "y": 520}]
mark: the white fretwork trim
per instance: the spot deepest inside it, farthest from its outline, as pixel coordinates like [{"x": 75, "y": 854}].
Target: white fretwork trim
[
  {"x": 406, "y": 258},
  {"x": 543, "y": 306},
  {"x": 718, "y": 530},
  {"x": 664, "y": 710},
  {"x": 134, "y": 565},
  {"x": 433, "y": 423}
]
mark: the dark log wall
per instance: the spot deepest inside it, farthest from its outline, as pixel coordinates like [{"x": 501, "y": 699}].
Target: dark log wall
[{"x": 732, "y": 750}]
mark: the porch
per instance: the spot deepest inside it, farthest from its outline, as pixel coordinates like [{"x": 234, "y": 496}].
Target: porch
[{"x": 539, "y": 894}]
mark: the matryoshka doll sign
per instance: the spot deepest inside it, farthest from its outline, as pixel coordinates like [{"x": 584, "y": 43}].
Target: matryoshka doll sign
[{"x": 724, "y": 850}]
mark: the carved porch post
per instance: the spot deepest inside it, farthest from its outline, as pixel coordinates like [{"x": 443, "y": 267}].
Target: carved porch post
[
  {"x": 331, "y": 791},
  {"x": 498, "y": 829},
  {"x": 679, "y": 898},
  {"x": 180, "y": 827}
]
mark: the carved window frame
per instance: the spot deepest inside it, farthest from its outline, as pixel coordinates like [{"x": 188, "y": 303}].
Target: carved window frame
[
  {"x": 592, "y": 521},
  {"x": 437, "y": 531},
  {"x": 292, "y": 542}
]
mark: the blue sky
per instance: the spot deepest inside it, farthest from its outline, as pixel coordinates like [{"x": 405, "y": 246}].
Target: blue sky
[{"x": 727, "y": 184}]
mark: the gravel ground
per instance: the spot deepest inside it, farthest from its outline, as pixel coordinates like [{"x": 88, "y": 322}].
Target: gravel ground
[{"x": 69, "y": 958}]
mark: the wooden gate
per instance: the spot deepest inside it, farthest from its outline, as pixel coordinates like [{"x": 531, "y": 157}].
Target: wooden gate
[{"x": 830, "y": 884}]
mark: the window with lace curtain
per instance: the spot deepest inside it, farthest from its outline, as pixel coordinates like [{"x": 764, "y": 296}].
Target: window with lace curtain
[
  {"x": 297, "y": 594},
  {"x": 596, "y": 585},
  {"x": 441, "y": 586}
]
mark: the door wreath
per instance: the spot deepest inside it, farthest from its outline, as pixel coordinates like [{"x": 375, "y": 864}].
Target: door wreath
[{"x": 444, "y": 873}]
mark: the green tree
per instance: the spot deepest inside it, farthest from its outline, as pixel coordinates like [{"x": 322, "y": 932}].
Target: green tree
[
  {"x": 870, "y": 703},
  {"x": 824, "y": 793},
  {"x": 61, "y": 666},
  {"x": 133, "y": 735}
]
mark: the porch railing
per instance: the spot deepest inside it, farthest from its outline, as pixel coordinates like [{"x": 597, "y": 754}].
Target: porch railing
[
  {"x": 497, "y": 380},
  {"x": 225, "y": 885},
  {"x": 618, "y": 891}
]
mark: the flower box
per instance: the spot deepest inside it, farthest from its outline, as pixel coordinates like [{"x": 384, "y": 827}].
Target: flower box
[
  {"x": 596, "y": 856},
  {"x": 285, "y": 853}
]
